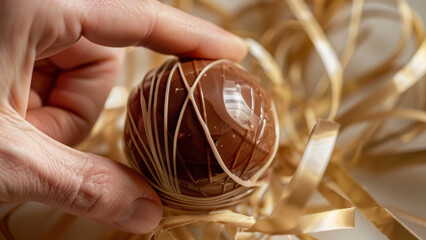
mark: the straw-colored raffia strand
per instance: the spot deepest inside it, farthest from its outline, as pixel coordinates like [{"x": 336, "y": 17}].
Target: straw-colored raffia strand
[{"x": 297, "y": 50}]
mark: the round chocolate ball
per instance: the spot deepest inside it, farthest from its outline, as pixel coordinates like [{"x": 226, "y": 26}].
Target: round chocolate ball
[{"x": 202, "y": 132}]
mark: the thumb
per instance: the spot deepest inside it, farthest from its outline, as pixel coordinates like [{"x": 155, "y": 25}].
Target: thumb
[{"x": 35, "y": 167}]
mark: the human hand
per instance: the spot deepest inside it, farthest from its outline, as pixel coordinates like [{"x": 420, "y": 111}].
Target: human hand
[{"x": 55, "y": 74}]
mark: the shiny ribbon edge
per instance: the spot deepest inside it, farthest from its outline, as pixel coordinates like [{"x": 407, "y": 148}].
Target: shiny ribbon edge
[{"x": 306, "y": 178}]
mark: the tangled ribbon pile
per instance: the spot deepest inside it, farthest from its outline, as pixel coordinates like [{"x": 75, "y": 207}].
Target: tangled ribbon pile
[{"x": 360, "y": 106}]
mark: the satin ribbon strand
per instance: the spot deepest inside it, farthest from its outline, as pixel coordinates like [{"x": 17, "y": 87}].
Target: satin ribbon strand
[
  {"x": 313, "y": 163},
  {"x": 378, "y": 215}
]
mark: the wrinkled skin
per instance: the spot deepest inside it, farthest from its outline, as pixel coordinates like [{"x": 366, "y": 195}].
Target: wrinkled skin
[{"x": 56, "y": 70}]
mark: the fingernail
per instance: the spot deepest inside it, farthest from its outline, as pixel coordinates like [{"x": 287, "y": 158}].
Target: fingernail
[{"x": 142, "y": 216}]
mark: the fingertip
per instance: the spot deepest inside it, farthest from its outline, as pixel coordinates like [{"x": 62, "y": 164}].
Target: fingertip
[
  {"x": 218, "y": 45},
  {"x": 241, "y": 48},
  {"x": 144, "y": 212},
  {"x": 142, "y": 216}
]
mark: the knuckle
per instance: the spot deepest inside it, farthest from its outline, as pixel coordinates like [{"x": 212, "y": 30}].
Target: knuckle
[{"x": 92, "y": 195}]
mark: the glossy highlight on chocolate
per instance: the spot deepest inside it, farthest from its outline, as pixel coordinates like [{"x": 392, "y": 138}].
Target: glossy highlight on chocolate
[{"x": 201, "y": 129}]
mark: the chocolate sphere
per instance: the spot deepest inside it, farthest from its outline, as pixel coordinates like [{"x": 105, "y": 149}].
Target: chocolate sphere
[{"x": 195, "y": 127}]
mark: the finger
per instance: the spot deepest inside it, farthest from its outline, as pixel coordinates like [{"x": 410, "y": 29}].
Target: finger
[
  {"x": 87, "y": 74},
  {"x": 37, "y": 168},
  {"x": 159, "y": 27},
  {"x": 34, "y": 100}
]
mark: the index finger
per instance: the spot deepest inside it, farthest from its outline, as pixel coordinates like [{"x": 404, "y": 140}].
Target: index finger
[{"x": 159, "y": 27}]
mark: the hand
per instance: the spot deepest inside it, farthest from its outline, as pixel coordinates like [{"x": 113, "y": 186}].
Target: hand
[{"x": 55, "y": 74}]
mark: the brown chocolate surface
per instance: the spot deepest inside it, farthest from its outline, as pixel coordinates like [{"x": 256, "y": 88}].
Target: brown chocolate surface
[{"x": 229, "y": 101}]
